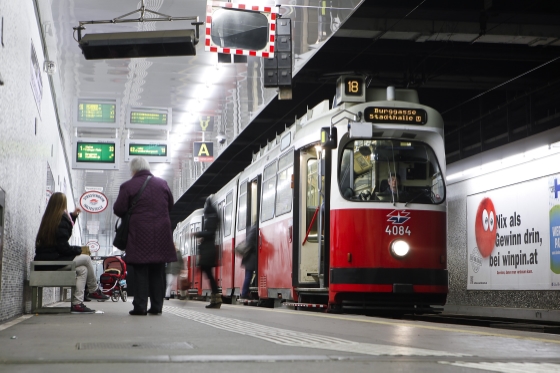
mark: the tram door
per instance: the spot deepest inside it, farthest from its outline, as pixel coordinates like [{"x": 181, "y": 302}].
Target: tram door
[
  {"x": 253, "y": 217},
  {"x": 194, "y": 271},
  {"x": 309, "y": 217}
]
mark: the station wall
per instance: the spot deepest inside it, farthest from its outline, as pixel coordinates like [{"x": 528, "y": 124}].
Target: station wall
[
  {"x": 31, "y": 142},
  {"x": 503, "y": 267}
]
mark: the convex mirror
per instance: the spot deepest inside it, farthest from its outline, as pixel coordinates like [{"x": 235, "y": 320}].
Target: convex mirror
[{"x": 239, "y": 29}]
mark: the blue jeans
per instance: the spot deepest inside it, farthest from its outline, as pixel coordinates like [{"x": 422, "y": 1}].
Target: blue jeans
[{"x": 246, "y": 284}]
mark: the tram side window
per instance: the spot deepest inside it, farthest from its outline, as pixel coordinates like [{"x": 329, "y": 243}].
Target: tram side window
[
  {"x": 390, "y": 171},
  {"x": 312, "y": 199},
  {"x": 185, "y": 241},
  {"x": 268, "y": 191},
  {"x": 242, "y": 208},
  {"x": 195, "y": 227},
  {"x": 284, "y": 191},
  {"x": 228, "y": 211}
]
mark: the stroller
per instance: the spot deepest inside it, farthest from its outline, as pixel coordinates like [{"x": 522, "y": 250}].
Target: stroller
[{"x": 113, "y": 279}]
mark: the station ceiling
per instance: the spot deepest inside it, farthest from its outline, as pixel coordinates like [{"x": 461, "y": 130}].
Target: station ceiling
[{"x": 492, "y": 68}]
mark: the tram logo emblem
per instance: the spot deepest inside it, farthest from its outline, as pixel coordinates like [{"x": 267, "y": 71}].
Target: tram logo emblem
[
  {"x": 485, "y": 227},
  {"x": 398, "y": 216}
]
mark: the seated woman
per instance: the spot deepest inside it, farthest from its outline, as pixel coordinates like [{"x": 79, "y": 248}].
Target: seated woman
[{"x": 52, "y": 244}]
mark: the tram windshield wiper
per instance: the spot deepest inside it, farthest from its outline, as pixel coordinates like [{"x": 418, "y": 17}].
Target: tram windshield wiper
[{"x": 423, "y": 193}]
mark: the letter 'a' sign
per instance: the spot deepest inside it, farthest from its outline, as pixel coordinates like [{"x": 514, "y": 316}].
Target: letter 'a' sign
[{"x": 203, "y": 151}]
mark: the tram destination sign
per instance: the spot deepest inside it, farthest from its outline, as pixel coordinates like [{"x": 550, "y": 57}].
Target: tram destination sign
[
  {"x": 376, "y": 114},
  {"x": 95, "y": 152},
  {"x": 144, "y": 117},
  {"x": 96, "y": 112},
  {"x": 151, "y": 150}
]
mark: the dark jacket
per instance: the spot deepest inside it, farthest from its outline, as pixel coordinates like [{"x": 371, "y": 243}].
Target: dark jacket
[
  {"x": 62, "y": 250},
  {"x": 249, "y": 261},
  {"x": 207, "y": 249},
  {"x": 150, "y": 239}
]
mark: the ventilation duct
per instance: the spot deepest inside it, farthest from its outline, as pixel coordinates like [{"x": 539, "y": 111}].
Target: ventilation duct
[{"x": 139, "y": 44}]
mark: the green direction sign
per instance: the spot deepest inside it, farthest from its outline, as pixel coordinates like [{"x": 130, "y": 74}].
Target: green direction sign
[
  {"x": 143, "y": 117},
  {"x": 95, "y": 152},
  {"x": 96, "y": 112},
  {"x": 151, "y": 150}
]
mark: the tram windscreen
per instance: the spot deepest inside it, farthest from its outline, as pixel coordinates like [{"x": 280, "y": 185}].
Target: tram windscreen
[{"x": 390, "y": 171}]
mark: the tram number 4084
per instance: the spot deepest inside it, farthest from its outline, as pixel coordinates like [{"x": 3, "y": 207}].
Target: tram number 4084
[{"x": 397, "y": 230}]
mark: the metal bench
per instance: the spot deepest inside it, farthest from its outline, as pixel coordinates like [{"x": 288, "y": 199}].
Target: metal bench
[{"x": 61, "y": 278}]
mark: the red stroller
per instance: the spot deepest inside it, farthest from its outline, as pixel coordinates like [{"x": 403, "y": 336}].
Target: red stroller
[{"x": 113, "y": 279}]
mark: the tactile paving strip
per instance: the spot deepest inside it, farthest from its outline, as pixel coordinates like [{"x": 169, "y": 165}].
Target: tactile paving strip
[
  {"x": 508, "y": 367},
  {"x": 292, "y": 338}
]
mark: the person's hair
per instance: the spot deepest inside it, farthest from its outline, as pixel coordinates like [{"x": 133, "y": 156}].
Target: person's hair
[
  {"x": 395, "y": 175},
  {"x": 139, "y": 164},
  {"x": 208, "y": 205},
  {"x": 51, "y": 219}
]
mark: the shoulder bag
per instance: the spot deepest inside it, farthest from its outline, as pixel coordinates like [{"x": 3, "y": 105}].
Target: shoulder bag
[{"x": 121, "y": 231}]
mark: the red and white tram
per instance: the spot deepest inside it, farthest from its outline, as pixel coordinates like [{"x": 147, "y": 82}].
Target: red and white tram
[{"x": 331, "y": 229}]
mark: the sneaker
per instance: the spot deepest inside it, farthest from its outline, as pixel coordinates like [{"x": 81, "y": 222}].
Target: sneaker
[
  {"x": 86, "y": 297},
  {"x": 98, "y": 295},
  {"x": 80, "y": 308}
]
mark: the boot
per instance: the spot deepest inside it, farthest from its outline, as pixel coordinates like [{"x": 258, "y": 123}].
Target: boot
[{"x": 215, "y": 301}]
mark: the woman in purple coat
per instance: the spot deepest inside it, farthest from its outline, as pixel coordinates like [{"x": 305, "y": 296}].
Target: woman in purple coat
[{"x": 150, "y": 240}]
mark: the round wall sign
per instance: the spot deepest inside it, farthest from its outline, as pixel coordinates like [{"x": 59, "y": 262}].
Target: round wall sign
[
  {"x": 93, "y": 246},
  {"x": 93, "y": 202}
]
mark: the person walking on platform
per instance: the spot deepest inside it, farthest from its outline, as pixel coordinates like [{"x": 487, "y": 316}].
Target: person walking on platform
[
  {"x": 150, "y": 240},
  {"x": 172, "y": 270},
  {"x": 208, "y": 254},
  {"x": 249, "y": 260},
  {"x": 52, "y": 244}
]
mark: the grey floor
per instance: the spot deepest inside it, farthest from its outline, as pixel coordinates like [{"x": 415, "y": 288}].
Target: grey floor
[{"x": 188, "y": 337}]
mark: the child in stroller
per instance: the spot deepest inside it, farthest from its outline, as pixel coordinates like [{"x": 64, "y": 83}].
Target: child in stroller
[{"x": 113, "y": 279}]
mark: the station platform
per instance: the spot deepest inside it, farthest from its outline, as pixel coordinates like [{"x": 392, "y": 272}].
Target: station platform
[{"x": 189, "y": 337}]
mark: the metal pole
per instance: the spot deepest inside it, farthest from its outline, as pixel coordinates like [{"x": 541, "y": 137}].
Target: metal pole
[{"x": 320, "y": 221}]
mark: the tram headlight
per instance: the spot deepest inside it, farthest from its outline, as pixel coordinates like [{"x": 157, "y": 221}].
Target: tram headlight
[{"x": 399, "y": 248}]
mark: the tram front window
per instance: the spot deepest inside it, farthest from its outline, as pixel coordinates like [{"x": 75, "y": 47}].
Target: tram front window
[{"x": 390, "y": 171}]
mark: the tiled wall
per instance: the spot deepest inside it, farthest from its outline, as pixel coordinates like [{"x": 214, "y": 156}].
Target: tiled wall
[{"x": 29, "y": 139}]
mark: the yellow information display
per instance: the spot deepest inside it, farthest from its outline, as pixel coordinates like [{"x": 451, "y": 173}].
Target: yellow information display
[
  {"x": 396, "y": 115},
  {"x": 96, "y": 112},
  {"x": 140, "y": 117}
]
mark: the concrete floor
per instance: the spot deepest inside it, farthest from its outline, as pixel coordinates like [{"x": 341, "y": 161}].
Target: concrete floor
[{"x": 188, "y": 337}]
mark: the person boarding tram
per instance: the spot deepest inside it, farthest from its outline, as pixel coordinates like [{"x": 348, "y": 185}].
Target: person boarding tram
[{"x": 208, "y": 254}]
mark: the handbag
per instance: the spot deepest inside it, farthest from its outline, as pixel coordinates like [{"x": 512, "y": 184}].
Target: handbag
[
  {"x": 121, "y": 230},
  {"x": 184, "y": 283},
  {"x": 243, "y": 249}
]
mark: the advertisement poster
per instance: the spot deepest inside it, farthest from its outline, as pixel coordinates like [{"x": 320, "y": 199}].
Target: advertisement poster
[{"x": 513, "y": 237}]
